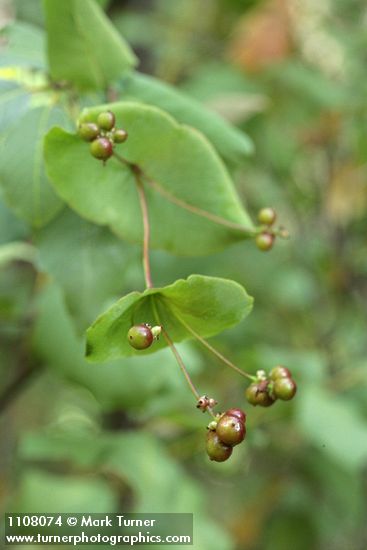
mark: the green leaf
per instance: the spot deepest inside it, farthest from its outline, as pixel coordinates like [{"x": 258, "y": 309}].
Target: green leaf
[
  {"x": 25, "y": 46},
  {"x": 137, "y": 460},
  {"x": 83, "y": 46},
  {"x": 11, "y": 228},
  {"x": 22, "y": 177},
  {"x": 193, "y": 206},
  {"x": 131, "y": 383},
  {"x": 88, "y": 262},
  {"x": 14, "y": 102},
  {"x": 334, "y": 425},
  {"x": 208, "y": 305},
  {"x": 232, "y": 144}
]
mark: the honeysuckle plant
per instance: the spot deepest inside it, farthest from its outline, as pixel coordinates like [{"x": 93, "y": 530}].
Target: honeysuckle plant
[{"x": 154, "y": 167}]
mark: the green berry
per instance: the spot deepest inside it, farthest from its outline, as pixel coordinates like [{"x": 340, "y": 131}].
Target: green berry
[
  {"x": 264, "y": 241},
  {"x": 237, "y": 413},
  {"x": 267, "y": 216},
  {"x": 215, "y": 449},
  {"x": 106, "y": 120},
  {"x": 230, "y": 430},
  {"x": 285, "y": 388},
  {"x": 258, "y": 394},
  {"x": 119, "y": 136},
  {"x": 279, "y": 372},
  {"x": 88, "y": 131},
  {"x": 140, "y": 336},
  {"x": 101, "y": 148}
]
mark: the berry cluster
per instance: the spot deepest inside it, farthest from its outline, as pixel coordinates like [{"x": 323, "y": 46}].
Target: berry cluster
[
  {"x": 102, "y": 135},
  {"x": 142, "y": 336},
  {"x": 266, "y": 234},
  {"x": 266, "y": 390},
  {"x": 226, "y": 431}
]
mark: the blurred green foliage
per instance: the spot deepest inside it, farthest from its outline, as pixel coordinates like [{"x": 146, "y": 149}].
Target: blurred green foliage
[{"x": 123, "y": 435}]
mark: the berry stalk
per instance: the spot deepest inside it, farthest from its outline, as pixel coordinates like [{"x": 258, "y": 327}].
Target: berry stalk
[{"x": 215, "y": 351}]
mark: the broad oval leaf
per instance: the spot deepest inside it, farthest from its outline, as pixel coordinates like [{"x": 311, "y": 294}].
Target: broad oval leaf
[
  {"x": 25, "y": 187},
  {"x": 232, "y": 144},
  {"x": 193, "y": 206},
  {"x": 208, "y": 305},
  {"x": 83, "y": 46}
]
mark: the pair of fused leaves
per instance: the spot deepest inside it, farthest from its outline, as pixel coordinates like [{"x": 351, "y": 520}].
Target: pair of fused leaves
[
  {"x": 207, "y": 305},
  {"x": 193, "y": 206}
]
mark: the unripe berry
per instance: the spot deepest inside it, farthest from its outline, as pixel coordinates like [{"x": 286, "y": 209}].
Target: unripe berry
[
  {"x": 88, "y": 131},
  {"x": 215, "y": 449},
  {"x": 258, "y": 394},
  {"x": 140, "y": 336},
  {"x": 101, "y": 148},
  {"x": 267, "y": 216},
  {"x": 285, "y": 388},
  {"x": 119, "y": 136},
  {"x": 279, "y": 372},
  {"x": 106, "y": 120},
  {"x": 230, "y": 430},
  {"x": 237, "y": 413},
  {"x": 264, "y": 241}
]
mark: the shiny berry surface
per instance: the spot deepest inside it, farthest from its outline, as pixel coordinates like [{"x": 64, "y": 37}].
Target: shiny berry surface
[
  {"x": 280, "y": 372},
  {"x": 267, "y": 216},
  {"x": 230, "y": 430},
  {"x": 285, "y": 388},
  {"x": 88, "y": 131},
  {"x": 120, "y": 136},
  {"x": 101, "y": 148},
  {"x": 264, "y": 241},
  {"x": 216, "y": 450},
  {"x": 140, "y": 337},
  {"x": 237, "y": 413},
  {"x": 106, "y": 120}
]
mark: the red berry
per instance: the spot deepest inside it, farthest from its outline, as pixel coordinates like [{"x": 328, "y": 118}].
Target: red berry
[
  {"x": 230, "y": 430},
  {"x": 237, "y": 413},
  {"x": 101, "y": 148},
  {"x": 140, "y": 336},
  {"x": 215, "y": 449},
  {"x": 285, "y": 388}
]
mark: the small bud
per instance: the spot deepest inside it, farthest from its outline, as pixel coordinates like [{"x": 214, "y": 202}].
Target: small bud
[
  {"x": 205, "y": 403},
  {"x": 156, "y": 331}
]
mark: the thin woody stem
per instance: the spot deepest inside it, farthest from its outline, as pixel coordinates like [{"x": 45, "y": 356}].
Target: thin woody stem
[
  {"x": 144, "y": 212},
  {"x": 215, "y": 351},
  {"x": 179, "y": 359}
]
